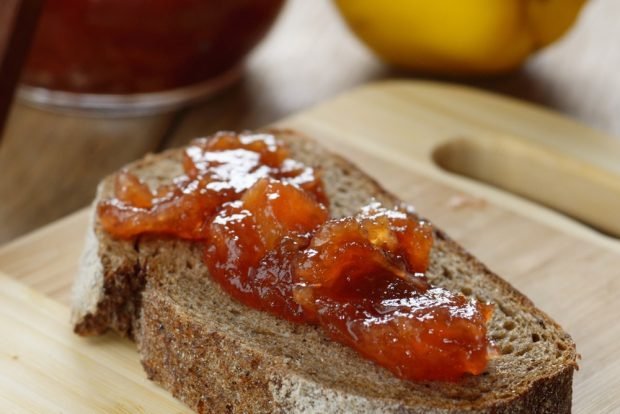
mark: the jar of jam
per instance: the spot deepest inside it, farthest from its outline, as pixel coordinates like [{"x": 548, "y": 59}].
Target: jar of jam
[{"x": 140, "y": 55}]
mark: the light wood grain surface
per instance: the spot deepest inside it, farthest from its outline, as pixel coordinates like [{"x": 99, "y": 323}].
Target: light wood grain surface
[
  {"x": 567, "y": 269},
  {"x": 50, "y": 163},
  {"x": 45, "y": 368}
]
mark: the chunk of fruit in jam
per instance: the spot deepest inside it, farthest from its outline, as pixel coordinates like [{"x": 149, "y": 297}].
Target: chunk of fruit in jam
[
  {"x": 358, "y": 280},
  {"x": 253, "y": 241},
  {"x": 179, "y": 210},
  {"x": 129, "y": 189},
  {"x": 217, "y": 170},
  {"x": 378, "y": 237}
]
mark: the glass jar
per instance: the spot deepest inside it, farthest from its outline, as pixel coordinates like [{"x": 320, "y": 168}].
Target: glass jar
[{"x": 136, "y": 56}]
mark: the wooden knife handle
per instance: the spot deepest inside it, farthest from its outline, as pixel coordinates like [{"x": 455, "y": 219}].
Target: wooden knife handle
[{"x": 578, "y": 189}]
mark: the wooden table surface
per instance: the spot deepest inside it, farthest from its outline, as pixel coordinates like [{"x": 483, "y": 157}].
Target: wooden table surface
[{"x": 50, "y": 162}]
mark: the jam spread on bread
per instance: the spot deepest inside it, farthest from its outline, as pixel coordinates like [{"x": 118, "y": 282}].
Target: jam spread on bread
[
  {"x": 253, "y": 244},
  {"x": 361, "y": 278},
  {"x": 216, "y": 171},
  {"x": 270, "y": 243}
]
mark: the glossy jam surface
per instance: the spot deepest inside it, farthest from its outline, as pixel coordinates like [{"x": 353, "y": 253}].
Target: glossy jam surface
[
  {"x": 216, "y": 171},
  {"x": 138, "y": 46},
  {"x": 269, "y": 242},
  {"x": 254, "y": 242},
  {"x": 361, "y": 278}
]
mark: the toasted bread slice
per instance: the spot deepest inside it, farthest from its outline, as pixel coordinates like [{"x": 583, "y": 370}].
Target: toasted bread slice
[{"x": 219, "y": 356}]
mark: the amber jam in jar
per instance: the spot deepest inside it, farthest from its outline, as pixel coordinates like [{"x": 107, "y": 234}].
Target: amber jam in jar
[
  {"x": 102, "y": 53},
  {"x": 270, "y": 243}
]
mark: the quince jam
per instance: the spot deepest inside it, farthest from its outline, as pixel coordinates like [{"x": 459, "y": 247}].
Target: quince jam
[{"x": 270, "y": 243}]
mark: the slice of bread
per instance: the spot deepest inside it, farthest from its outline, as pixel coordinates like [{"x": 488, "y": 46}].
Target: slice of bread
[{"x": 220, "y": 356}]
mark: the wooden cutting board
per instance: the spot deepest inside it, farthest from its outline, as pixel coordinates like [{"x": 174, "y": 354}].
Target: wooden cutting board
[{"x": 401, "y": 133}]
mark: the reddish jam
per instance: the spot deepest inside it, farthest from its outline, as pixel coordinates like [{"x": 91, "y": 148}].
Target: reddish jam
[
  {"x": 361, "y": 279},
  {"x": 254, "y": 241},
  {"x": 217, "y": 171},
  {"x": 270, "y": 244},
  {"x": 137, "y": 46}
]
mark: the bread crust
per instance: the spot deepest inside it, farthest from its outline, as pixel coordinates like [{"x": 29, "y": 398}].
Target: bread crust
[{"x": 145, "y": 289}]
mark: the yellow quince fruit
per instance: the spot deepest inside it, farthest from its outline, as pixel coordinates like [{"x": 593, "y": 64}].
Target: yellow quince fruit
[{"x": 458, "y": 36}]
